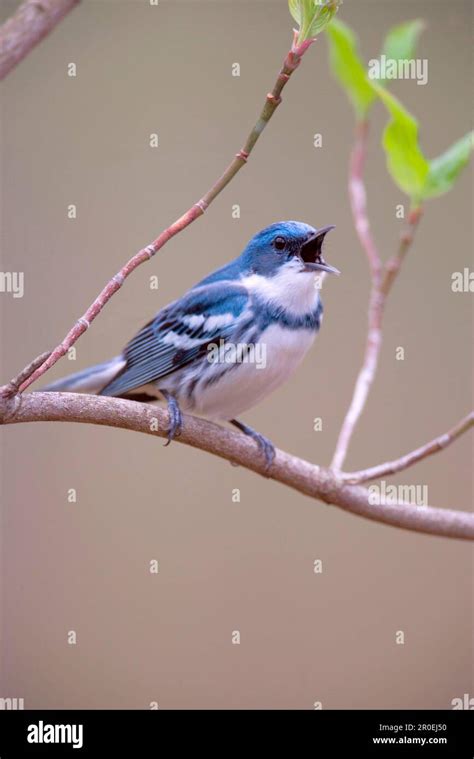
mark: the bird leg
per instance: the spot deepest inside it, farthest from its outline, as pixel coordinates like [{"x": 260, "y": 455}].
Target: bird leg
[
  {"x": 267, "y": 448},
  {"x": 174, "y": 412}
]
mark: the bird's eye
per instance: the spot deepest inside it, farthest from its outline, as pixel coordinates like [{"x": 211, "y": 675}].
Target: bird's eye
[{"x": 279, "y": 243}]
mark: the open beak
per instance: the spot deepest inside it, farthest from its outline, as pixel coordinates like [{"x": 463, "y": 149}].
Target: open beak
[{"x": 311, "y": 252}]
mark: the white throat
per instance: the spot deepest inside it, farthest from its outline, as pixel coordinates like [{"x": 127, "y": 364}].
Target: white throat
[{"x": 292, "y": 289}]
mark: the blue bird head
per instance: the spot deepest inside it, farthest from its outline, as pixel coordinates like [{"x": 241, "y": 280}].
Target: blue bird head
[{"x": 287, "y": 244}]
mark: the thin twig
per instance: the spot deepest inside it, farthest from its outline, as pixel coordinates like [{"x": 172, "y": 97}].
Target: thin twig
[
  {"x": 32, "y": 21},
  {"x": 382, "y": 279},
  {"x": 12, "y": 388},
  {"x": 393, "y": 265},
  {"x": 272, "y": 101},
  {"x": 398, "y": 465},
  {"x": 358, "y": 199},
  {"x": 314, "y": 481}
]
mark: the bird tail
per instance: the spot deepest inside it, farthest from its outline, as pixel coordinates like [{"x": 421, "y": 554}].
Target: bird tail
[{"x": 90, "y": 380}]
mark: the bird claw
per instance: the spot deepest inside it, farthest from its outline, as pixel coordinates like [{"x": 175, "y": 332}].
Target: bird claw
[
  {"x": 265, "y": 445},
  {"x": 267, "y": 448}
]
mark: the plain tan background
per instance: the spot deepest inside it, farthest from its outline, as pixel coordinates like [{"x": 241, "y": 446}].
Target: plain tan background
[{"x": 227, "y": 566}]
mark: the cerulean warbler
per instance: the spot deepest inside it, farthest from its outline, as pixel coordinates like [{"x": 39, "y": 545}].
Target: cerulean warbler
[{"x": 230, "y": 340}]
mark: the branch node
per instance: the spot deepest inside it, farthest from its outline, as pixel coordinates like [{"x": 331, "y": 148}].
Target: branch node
[
  {"x": 8, "y": 391},
  {"x": 9, "y": 404},
  {"x": 272, "y": 99},
  {"x": 243, "y": 155}
]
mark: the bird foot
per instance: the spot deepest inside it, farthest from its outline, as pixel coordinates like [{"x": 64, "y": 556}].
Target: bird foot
[
  {"x": 175, "y": 416},
  {"x": 265, "y": 445}
]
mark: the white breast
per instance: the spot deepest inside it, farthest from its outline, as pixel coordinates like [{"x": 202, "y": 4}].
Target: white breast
[
  {"x": 237, "y": 386},
  {"x": 246, "y": 384}
]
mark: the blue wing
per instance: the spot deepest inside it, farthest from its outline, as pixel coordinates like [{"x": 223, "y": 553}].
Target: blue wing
[{"x": 179, "y": 333}]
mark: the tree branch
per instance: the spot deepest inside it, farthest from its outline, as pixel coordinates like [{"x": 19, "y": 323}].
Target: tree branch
[
  {"x": 272, "y": 101},
  {"x": 393, "y": 265},
  {"x": 32, "y": 21},
  {"x": 398, "y": 465},
  {"x": 382, "y": 279},
  {"x": 314, "y": 481},
  {"x": 358, "y": 199},
  {"x": 12, "y": 388}
]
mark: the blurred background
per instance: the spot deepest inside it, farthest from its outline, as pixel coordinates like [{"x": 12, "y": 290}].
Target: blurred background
[{"x": 84, "y": 566}]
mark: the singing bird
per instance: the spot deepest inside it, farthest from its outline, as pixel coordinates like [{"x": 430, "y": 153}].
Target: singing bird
[{"x": 230, "y": 340}]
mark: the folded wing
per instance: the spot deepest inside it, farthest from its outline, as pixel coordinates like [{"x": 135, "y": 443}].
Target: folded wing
[{"x": 179, "y": 334}]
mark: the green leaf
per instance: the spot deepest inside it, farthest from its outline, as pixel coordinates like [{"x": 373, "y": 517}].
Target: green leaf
[
  {"x": 312, "y": 16},
  {"x": 295, "y": 10},
  {"x": 400, "y": 42},
  {"x": 322, "y": 17},
  {"x": 405, "y": 161},
  {"x": 411, "y": 171},
  {"x": 348, "y": 68},
  {"x": 444, "y": 170}
]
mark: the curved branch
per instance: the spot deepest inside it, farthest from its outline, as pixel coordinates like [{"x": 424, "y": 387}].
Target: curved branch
[
  {"x": 398, "y": 465},
  {"x": 33, "y": 20},
  {"x": 314, "y": 481}
]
